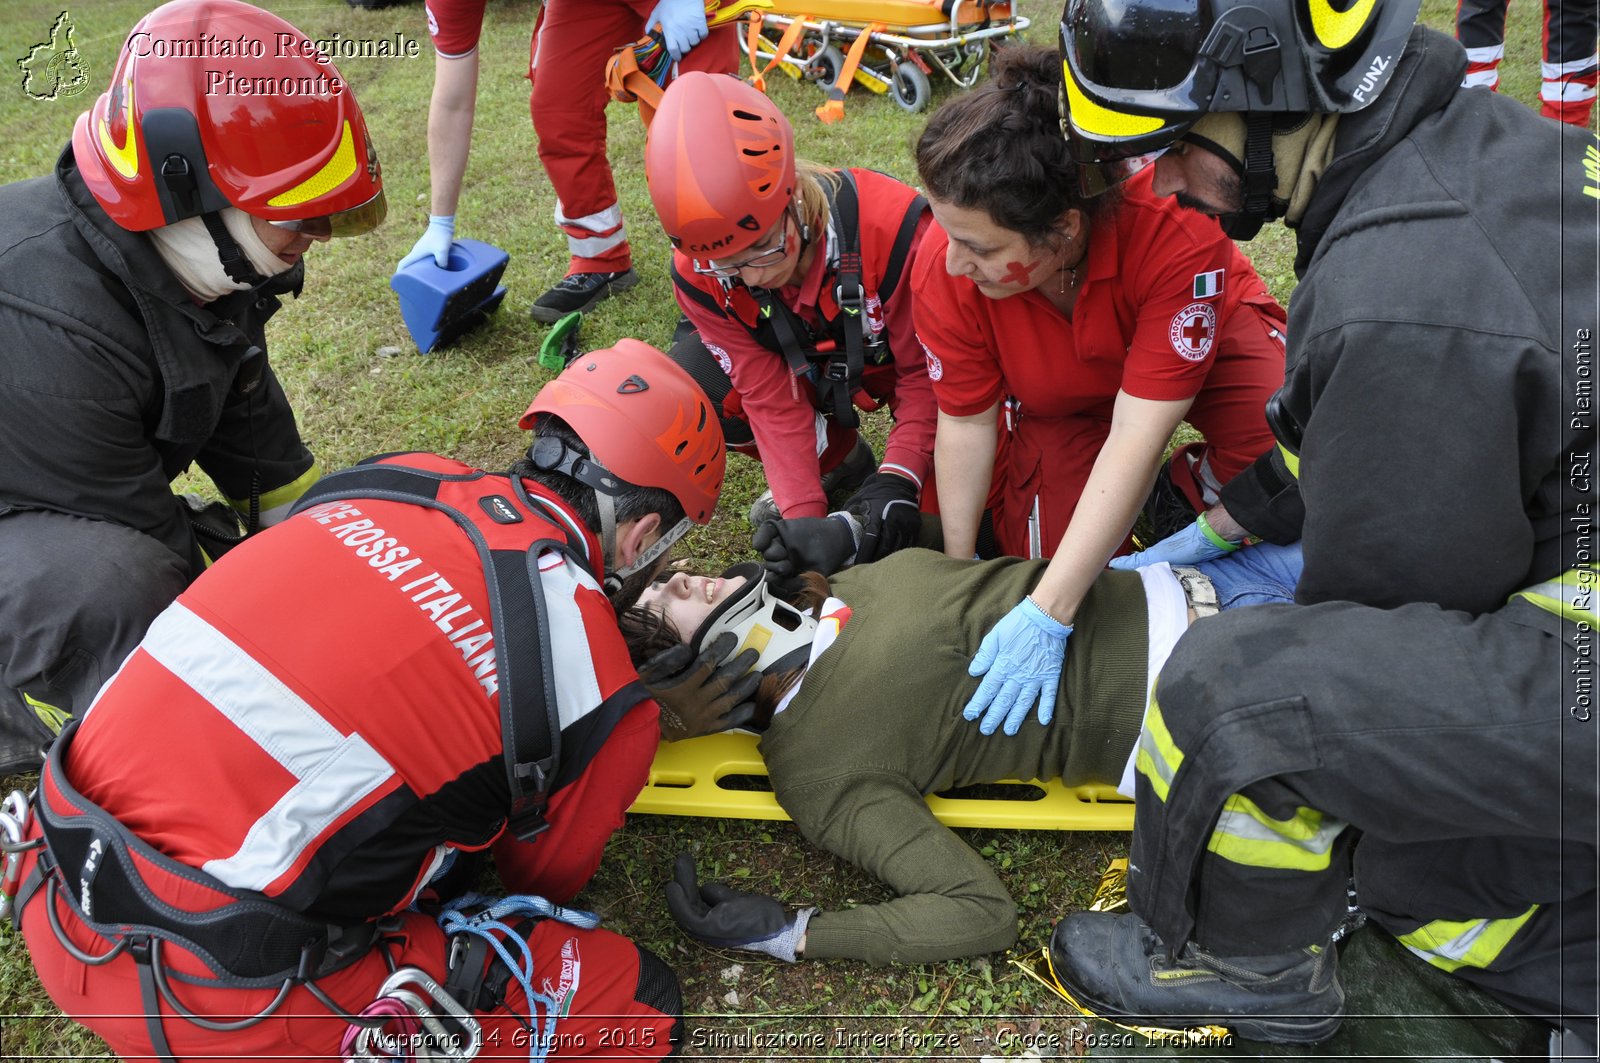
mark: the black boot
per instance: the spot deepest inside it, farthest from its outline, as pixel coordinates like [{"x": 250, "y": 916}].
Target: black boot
[
  {"x": 1117, "y": 967},
  {"x": 580, "y": 291},
  {"x": 1167, "y": 509}
]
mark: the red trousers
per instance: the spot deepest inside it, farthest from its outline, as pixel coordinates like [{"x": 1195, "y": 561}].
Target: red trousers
[
  {"x": 571, "y": 44},
  {"x": 1044, "y": 462},
  {"x": 594, "y": 974}
]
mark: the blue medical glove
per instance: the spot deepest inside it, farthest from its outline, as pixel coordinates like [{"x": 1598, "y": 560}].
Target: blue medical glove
[
  {"x": 1020, "y": 660},
  {"x": 683, "y": 25},
  {"x": 1192, "y": 545},
  {"x": 436, "y": 240}
]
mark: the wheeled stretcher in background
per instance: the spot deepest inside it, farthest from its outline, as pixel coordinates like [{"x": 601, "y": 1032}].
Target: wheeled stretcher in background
[{"x": 896, "y": 47}]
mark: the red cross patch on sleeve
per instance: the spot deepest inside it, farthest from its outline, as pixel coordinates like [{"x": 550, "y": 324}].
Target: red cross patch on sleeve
[{"x": 1193, "y": 329}]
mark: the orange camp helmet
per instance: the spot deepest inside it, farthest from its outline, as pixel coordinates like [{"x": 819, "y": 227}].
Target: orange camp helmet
[
  {"x": 217, "y": 103},
  {"x": 644, "y": 420},
  {"x": 720, "y": 164}
]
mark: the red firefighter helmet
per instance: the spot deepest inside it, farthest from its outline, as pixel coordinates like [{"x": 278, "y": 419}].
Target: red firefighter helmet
[
  {"x": 644, "y": 419},
  {"x": 217, "y": 103},
  {"x": 720, "y": 164}
]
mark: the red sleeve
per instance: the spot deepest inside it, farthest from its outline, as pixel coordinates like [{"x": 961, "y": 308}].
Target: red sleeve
[
  {"x": 777, "y": 406},
  {"x": 584, "y": 814},
  {"x": 1166, "y": 253},
  {"x": 454, "y": 26},
  {"x": 910, "y": 443},
  {"x": 965, "y": 373}
]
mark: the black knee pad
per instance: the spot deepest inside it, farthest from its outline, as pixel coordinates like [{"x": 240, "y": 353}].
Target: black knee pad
[{"x": 658, "y": 988}]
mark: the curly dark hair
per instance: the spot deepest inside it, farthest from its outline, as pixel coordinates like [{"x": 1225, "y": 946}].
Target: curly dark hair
[{"x": 999, "y": 148}]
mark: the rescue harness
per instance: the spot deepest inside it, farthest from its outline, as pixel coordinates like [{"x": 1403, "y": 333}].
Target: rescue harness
[
  {"x": 835, "y": 353},
  {"x": 108, "y": 876}
]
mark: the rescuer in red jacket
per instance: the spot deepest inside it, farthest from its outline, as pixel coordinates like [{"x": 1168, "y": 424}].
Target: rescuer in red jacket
[{"x": 432, "y": 670}]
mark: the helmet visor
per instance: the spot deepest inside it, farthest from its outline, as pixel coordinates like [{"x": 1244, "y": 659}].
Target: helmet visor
[
  {"x": 352, "y": 222},
  {"x": 1108, "y": 122}
]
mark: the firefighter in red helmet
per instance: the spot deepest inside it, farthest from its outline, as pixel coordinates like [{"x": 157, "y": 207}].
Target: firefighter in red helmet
[{"x": 139, "y": 277}]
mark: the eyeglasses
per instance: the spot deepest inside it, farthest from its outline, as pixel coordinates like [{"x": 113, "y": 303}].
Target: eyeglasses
[{"x": 770, "y": 257}]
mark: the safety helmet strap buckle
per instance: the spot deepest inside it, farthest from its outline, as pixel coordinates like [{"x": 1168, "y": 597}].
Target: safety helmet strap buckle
[{"x": 552, "y": 455}]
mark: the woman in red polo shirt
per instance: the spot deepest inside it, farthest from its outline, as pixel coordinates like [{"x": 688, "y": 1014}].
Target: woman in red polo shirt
[
  {"x": 1066, "y": 338},
  {"x": 795, "y": 280}
]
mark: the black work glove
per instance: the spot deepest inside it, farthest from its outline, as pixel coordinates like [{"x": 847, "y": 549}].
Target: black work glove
[
  {"x": 804, "y": 544},
  {"x": 886, "y": 506},
  {"x": 733, "y": 919},
  {"x": 697, "y": 697}
]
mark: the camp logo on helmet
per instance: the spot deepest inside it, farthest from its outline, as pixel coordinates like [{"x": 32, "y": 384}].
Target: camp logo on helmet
[{"x": 53, "y": 69}]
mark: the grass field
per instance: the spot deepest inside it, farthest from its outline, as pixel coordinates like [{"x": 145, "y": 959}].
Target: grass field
[{"x": 335, "y": 350}]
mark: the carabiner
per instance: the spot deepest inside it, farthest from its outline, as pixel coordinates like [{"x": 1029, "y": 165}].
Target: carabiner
[
  {"x": 417, "y": 992},
  {"x": 14, "y": 816}
]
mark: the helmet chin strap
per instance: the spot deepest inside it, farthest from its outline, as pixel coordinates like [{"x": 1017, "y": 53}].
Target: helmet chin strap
[
  {"x": 1260, "y": 178},
  {"x": 1244, "y": 142},
  {"x": 552, "y": 455},
  {"x": 234, "y": 261},
  {"x": 647, "y": 556}
]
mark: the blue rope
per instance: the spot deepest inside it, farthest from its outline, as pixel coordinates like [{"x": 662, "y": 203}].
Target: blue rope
[{"x": 489, "y": 924}]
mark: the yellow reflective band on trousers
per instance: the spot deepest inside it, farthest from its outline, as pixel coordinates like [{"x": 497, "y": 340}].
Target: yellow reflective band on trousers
[
  {"x": 1158, "y": 758},
  {"x": 1291, "y": 460},
  {"x": 1570, "y": 595},
  {"x": 49, "y": 715},
  {"x": 1246, "y": 835},
  {"x": 1471, "y": 943}
]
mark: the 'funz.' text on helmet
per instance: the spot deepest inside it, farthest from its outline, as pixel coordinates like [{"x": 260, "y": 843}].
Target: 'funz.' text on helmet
[{"x": 1372, "y": 78}]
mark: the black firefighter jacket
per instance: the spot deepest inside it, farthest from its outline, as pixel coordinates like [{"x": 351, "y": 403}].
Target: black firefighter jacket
[
  {"x": 1440, "y": 358},
  {"x": 113, "y": 380}
]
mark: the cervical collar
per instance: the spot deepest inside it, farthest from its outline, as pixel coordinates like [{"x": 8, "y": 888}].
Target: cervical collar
[{"x": 760, "y": 621}]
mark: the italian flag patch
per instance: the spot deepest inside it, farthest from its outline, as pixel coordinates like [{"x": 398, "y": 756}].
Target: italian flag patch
[{"x": 1207, "y": 285}]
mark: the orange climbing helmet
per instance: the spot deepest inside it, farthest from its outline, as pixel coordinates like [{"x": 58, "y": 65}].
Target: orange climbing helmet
[
  {"x": 644, "y": 420},
  {"x": 720, "y": 164}
]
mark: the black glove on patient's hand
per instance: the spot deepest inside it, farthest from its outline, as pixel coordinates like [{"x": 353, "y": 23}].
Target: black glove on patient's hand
[
  {"x": 886, "y": 506},
  {"x": 733, "y": 919},
  {"x": 697, "y": 697},
  {"x": 804, "y": 544}
]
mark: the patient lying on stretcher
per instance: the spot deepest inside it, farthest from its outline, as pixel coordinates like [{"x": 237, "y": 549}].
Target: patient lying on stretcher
[{"x": 860, "y": 717}]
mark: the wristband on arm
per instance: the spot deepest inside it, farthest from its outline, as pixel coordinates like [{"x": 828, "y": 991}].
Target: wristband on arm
[{"x": 1213, "y": 538}]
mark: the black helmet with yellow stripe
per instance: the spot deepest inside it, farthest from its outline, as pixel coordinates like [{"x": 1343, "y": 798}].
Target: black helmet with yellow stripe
[{"x": 1138, "y": 73}]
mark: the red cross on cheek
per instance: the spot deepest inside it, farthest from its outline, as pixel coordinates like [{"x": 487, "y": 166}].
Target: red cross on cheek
[{"x": 1021, "y": 272}]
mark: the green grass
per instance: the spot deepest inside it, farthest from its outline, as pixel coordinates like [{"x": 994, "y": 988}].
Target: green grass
[{"x": 354, "y": 401}]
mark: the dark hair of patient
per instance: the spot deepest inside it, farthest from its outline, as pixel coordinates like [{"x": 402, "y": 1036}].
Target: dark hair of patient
[
  {"x": 648, "y": 632},
  {"x": 999, "y": 148}
]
